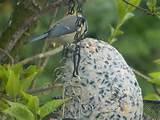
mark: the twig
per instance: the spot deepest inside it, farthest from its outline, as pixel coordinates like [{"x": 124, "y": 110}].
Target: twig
[
  {"x": 148, "y": 79},
  {"x": 43, "y": 63},
  {"x": 15, "y": 37},
  {"x": 52, "y": 6},
  {"x": 156, "y": 90},
  {"x": 140, "y": 8},
  {"x": 44, "y": 49},
  {"x": 141, "y": 74},
  {"x": 42, "y": 55},
  {"x": 9, "y": 56},
  {"x": 40, "y": 90}
]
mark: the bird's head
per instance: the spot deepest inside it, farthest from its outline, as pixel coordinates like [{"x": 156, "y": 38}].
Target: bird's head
[{"x": 82, "y": 25}]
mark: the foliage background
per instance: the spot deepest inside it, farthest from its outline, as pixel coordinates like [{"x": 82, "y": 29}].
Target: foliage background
[{"x": 139, "y": 45}]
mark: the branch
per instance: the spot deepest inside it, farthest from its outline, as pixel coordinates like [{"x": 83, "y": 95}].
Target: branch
[
  {"x": 42, "y": 55},
  {"x": 140, "y": 8},
  {"x": 148, "y": 79},
  {"x": 156, "y": 90},
  {"x": 52, "y": 6},
  {"x": 7, "y": 54},
  {"x": 141, "y": 74},
  {"x": 43, "y": 63},
  {"x": 40, "y": 90},
  {"x": 23, "y": 17},
  {"x": 17, "y": 35}
]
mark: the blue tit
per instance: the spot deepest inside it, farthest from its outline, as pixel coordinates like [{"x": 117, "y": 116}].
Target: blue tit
[{"x": 65, "y": 29}]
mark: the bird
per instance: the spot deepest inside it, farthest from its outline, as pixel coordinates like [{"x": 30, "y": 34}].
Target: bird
[
  {"x": 106, "y": 87},
  {"x": 65, "y": 29}
]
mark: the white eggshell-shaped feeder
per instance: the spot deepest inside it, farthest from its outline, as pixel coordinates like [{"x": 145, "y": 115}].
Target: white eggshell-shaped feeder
[{"x": 106, "y": 88}]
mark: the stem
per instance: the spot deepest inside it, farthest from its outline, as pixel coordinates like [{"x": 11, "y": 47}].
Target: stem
[
  {"x": 141, "y": 74},
  {"x": 23, "y": 17},
  {"x": 40, "y": 90},
  {"x": 148, "y": 79},
  {"x": 42, "y": 55},
  {"x": 114, "y": 33},
  {"x": 7, "y": 54},
  {"x": 140, "y": 8}
]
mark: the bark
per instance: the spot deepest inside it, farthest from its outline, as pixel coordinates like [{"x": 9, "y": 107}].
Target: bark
[{"x": 24, "y": 16}]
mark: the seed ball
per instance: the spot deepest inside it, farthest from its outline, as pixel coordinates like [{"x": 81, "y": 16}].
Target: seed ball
[{"x": 105, "y": 89}]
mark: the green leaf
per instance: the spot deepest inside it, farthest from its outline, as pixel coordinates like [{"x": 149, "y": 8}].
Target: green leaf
[
  {"x": 119, "y": 32},
  {"x": 112, "y": 30},
  {"x": 3, "y": 77},
  {"x": 155, "y": 78},
  {"x": 121, "y": 9},
  {"x": 28, "y": 76},
  {"x": 19, "y": 111},
  {"x": 152, "y": 5},
  {"x": 3, "y": 105},
  {"x": 155, "y": 81},
  {"x": 155, "y": 75},
  {"x": 135, "y": 3},
  {"x": 158, "y": 15},
  {"x": 152, "y": 97},
  {"x": 13, "y": 84},
  {"x": 157, "y": 61},
  {"x": 3, "y": 73},
  {"x": 50, "y": 106},
  {"x": 17, "y": 68},
  {"x": 124, "y": 8},
  {"x": 126, "y": 17},
  {"x": 111, "y": 41},
  {"x": 32, "y": 102}
]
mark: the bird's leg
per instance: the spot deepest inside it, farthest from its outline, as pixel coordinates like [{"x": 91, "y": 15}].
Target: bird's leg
[{"x": 76, "y": 60}]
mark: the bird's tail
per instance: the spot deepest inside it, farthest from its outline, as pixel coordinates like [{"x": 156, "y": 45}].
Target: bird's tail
[{"x": 43, "y": 36}]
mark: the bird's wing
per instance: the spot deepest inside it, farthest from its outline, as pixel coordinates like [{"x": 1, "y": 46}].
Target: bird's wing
[
  {"x": 60, "y": 30},
  {"x": 40, "y": 37}
]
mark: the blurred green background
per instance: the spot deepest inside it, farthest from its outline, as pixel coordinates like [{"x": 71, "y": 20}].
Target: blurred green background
[{"x": 139, "y": 45}]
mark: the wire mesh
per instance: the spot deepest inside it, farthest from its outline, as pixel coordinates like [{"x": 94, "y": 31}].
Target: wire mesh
[{"x": 151, "y": 110}]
